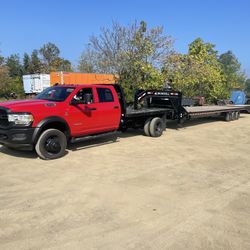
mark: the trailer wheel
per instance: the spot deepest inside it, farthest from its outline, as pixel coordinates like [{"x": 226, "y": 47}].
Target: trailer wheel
[
  {"x": 234, "y": 116},
  {"x": 237, "y": 115},
  {"x": 228, "y": 116},
  {"x": 146, "y": 127},
  {"x": 156, "y": 127},
  {"x": 51, "y": 144}
]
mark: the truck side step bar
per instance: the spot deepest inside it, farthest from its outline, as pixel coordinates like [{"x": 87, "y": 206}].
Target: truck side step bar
[{"x": 95, "y": 136}]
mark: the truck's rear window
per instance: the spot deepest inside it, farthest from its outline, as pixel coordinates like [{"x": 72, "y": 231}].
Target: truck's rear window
[{"x": 57, "y": 94}]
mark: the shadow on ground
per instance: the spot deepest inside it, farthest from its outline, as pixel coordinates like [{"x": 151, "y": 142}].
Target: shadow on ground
[
  {"x": 95, "y": 142},
  {"x": 18, "y": 153}
]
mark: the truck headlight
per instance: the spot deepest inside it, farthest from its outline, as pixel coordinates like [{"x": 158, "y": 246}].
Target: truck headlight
[{"x": 21, "y": 119}]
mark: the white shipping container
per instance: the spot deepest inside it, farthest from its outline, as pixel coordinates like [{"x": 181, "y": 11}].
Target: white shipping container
[{"x": 35, "y": 83}]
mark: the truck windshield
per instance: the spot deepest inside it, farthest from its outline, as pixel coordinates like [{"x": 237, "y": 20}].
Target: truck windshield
[{"x": 56, "y": 93}]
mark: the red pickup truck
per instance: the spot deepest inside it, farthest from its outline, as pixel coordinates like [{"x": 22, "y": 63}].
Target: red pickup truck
[{"x": 67, "y": 113}]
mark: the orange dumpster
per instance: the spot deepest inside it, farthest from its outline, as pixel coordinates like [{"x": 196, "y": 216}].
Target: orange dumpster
[{"x": 81, "y": 78}]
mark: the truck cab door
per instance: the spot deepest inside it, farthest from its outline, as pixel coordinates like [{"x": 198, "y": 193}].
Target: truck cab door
[
  {"x": 109, "y": 110},
  {"x": 83, "y": 114}
]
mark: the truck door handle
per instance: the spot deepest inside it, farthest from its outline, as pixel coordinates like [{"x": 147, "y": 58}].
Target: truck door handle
[
  {"x": 88, "y": 108},
  {"x": 116, "y": 107}
]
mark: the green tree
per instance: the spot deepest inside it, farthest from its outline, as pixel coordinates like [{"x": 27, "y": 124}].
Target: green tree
[
  {"x": 14, "y": 65},
  {"x": 51, "y": 60},
  {"x": 26, "y": 64},
  {"x": 5, "y": 80},
  {"x": 140, "y": 75},
  {"x": 66, "y": 65},
  {"x": 60, "y": 64},
  {"x": 15, "y": 71},
  {"x": 16, "y": 86},
  {"x": 231, "y": 67},
  {"x": 198, "y": 72},
  {"x": 35, "y": 66},
  {"x": 49, "y": 52},
  {"x": 203, "y": 52}
]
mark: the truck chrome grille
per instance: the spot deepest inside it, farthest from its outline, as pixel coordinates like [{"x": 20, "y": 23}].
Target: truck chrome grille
[{"x": 4, "y": 123}]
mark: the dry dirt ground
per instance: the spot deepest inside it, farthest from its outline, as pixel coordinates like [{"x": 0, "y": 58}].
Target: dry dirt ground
[{"x": 189, "y": 189}]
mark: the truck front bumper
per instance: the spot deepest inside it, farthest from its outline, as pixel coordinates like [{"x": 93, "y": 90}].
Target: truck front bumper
[{"x": 17, "y": 138}]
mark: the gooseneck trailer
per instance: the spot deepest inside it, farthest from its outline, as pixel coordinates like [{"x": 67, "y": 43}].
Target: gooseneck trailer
[
  {"x": 68, "y": 113},
  {"x": 171, "y": 101}
]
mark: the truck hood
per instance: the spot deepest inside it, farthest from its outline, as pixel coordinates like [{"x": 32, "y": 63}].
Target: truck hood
[{"x": 27, "y": 105}]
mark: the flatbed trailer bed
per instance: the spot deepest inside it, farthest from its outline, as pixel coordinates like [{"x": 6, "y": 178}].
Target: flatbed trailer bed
[
  {"x": 203, "y": 111},
  {"x": 170, "y": 103},
  {"x": 189, "y": 112}
]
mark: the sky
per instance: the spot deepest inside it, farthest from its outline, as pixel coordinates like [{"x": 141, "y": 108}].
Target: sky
[{"x": 27, "y": 25}]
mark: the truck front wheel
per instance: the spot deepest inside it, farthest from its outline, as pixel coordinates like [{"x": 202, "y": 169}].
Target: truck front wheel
[
  {"x": 51, "y": 144},
  {"x": 156, "y": 127}
]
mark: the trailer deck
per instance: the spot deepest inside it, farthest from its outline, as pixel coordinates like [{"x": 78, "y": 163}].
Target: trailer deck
[{"x": 201, "y": 111}]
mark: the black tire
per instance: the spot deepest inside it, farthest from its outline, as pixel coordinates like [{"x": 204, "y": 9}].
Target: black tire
[
  {"x": 228, "y": 117},
  {"x": 146, "y": 127},
  {"x": 156, "y": 127},
  {"x": 237, "y": 115},
  {"x": 233, "y": 116},
  {"x": 51, "y": 144}
]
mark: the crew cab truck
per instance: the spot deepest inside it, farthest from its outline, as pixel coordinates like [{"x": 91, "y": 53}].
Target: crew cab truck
[{"x": 69, "y": 113}]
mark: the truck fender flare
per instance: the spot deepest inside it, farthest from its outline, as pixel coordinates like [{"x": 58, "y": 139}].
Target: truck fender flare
[{"x": 46, "y": 122}]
